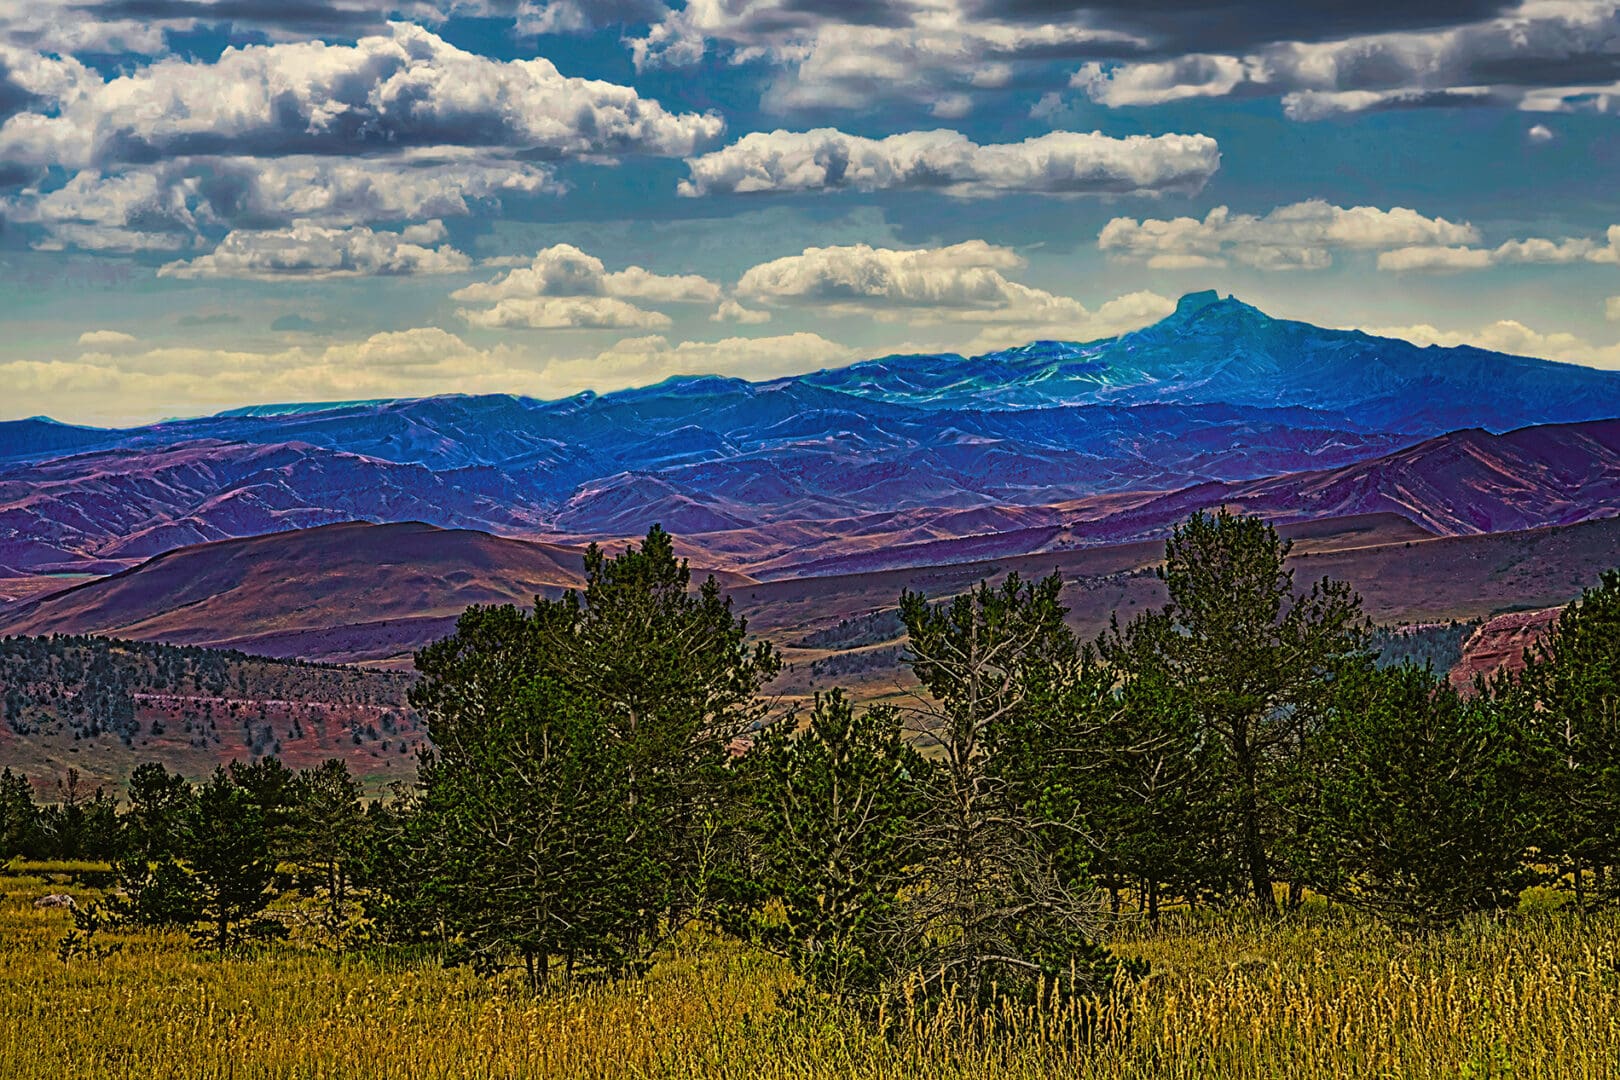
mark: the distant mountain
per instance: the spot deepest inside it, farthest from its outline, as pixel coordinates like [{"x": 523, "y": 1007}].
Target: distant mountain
[
  {"x": 1218, "y": 392},
  {"x": 1457, "y": 484}
]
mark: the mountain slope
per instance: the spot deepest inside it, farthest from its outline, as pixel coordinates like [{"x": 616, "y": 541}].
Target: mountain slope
[{"x": 1217, "y": 392}]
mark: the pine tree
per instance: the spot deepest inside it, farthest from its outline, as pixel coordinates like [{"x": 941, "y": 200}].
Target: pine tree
[
  {"x": 1003, "y": 907},
  {"x": 835, "y": 813},
  {"x": 157, "y": 890},
  {"x": 326, "y": 834},
  {"x": 1575, "y": 677},
  {"x": 1425, "y": 806},
  {"x": 229, "y": 854},
  {"x": 637, "y": 682},
  {"x": 19, "y": 818},
  {"x": 1252, "y": 658}
]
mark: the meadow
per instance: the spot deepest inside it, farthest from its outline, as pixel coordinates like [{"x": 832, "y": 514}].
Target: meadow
[{"x": 1316, "y": 993}]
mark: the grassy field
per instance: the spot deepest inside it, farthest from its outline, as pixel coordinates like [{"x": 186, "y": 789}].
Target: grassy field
[{"x": 1319, "y": 994}]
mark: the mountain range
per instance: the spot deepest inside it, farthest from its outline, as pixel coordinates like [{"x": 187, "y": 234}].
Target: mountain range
[{"x": 1095, "y": 443}]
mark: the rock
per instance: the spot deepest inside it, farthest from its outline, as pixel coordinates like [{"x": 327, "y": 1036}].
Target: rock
[{"x": 57, "y": 900}]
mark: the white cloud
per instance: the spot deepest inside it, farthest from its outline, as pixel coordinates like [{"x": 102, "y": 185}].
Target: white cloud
[
  {"x": 961, "y": 283},
  {"x": 314, "y": 252},
  {"x": 167, "y": 206},
  {"x": 1524, "y": 57},
  {"x": 564, "y": 313},
  {"x": 1534, "y": 250},
  {"x": 1171, "y": 80},
  {"x": 106, "y": 339},
  {"x": 836, "y": 56},
  {"x": 731, "y": 311},
  {"x": 140, "y": 386},
  {"x": 1058, "y": 163},
  {"x": 403, "y": 89},
  {"x": 1509, "y": 336},
  {"x": 564, "y": 287},
  {"x": 1293, "y": 237},
  {"x": 1540, "y": 133}
]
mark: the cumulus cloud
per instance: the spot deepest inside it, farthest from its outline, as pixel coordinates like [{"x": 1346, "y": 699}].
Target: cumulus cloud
[
  {"x": 564, "y": 287},
  {"x": 1299, "y": 236},
  {"x": 849, "y": 55},
  {"x": 168, "y": 205},
  {"x": 731, "y": 311},
  {"x": 106, "y": 339},
  {"x": 1540, "y": 56},
  {"x": 1509, "y": 336},
  {"x": 564, "y": 313},
  {"x": 408, "y": 88},
  {"x": 961, "y": 283},
  {"x": 1540, "y": 133},
  {"x": 135, "y": 386},
  {"x": 1534, "y": 250},
  {"x": 1058, "y": 163},
  {"x": 314, "y": 252}
]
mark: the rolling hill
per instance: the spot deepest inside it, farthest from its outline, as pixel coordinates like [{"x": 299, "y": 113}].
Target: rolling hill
[{"x": 336, "y": 593}]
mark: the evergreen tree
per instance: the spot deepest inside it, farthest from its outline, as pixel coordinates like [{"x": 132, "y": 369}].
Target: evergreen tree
[
  {"x": 665, "y": 677},
  {"x": 1575, "y": 677},
  {"x": 533, "y": 834},
  {"x": 327, "y": 836},
  {"x": 157, "y": 890},
  {"x": 1253, "y": 659},
  {"x": 1426, "y": 807},
  {"x": 834, "y": 812},
  {"x": 1004, "y": 905},
  {"x": 19, "y": 818},
  {"x": 229, "y": 854},
  {"x": 273, "y": 788},
  {"x": 1153, "y": 805}
]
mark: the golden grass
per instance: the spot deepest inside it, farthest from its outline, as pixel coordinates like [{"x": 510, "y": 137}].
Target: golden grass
[{"x": 1317, "y": 995}]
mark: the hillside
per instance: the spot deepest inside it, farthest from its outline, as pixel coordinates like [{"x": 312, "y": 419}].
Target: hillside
[
  {"x": 375, "y": 593},
  {"x": 103, "y": 706},
  {"x": 336, "y": 593}
]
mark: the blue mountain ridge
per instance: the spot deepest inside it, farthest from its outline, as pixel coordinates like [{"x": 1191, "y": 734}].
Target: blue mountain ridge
[{"x": 1216, "y": 392}]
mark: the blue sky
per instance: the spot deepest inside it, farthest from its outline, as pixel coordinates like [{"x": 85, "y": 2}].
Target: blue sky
[{"x": 211, "y": 203}]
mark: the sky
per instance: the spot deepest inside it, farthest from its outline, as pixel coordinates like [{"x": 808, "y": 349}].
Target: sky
[{"x": 207, "y": 204}]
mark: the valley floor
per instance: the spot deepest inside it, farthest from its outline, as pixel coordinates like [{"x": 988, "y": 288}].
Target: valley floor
[{"x": 1319, "y": 994}]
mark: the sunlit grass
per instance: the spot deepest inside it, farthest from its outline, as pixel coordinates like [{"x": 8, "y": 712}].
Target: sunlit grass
[{"x": 1317, "y": 994}]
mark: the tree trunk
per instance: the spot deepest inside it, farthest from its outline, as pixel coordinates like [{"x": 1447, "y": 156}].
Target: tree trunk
[
  {"x": 1254, "y": 844},
  {"x": 1153, "y": 901},
  {"x": 1580, "y": 886}
]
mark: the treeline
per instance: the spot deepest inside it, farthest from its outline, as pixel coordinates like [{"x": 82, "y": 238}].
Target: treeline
[
  {"x": 607, "y": 768},
  {"x": 85, "y": 687},
  {"x": 211, "y": 857}
]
